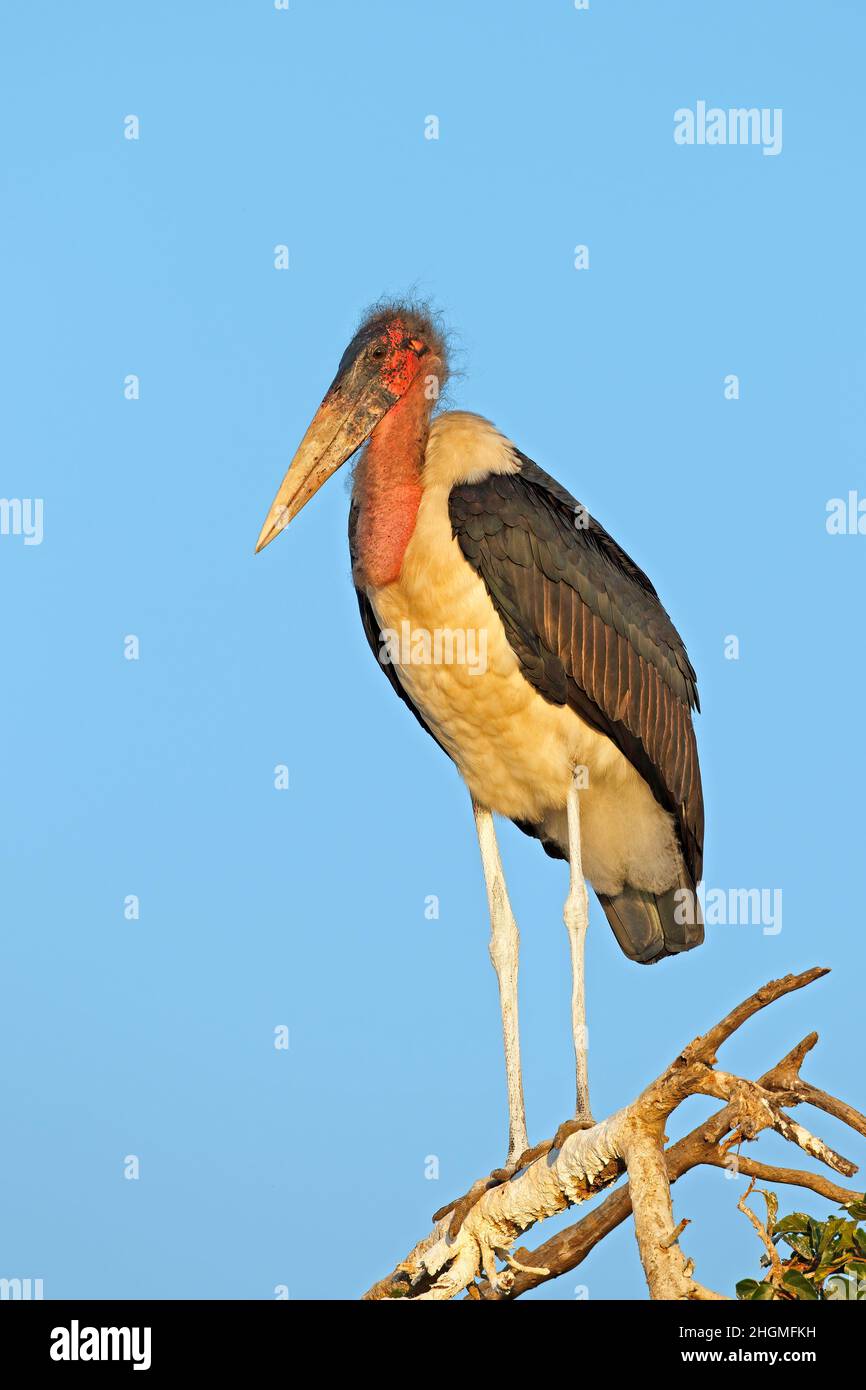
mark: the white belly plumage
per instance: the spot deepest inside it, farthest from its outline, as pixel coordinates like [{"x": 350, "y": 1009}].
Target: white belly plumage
[{"x": 516, "y": 751}]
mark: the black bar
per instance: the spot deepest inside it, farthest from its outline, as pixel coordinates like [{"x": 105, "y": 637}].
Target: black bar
[{"x": 219, "y": 1338}]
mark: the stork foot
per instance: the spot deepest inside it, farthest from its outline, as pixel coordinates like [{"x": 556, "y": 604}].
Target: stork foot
[
  {"x": 462, "y": 1206},
  {"x": 569, "y": 1127}
]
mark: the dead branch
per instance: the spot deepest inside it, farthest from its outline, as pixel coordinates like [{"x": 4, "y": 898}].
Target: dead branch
[
  {"x": 763, "y": 1233},
  {"x": 472, "y": 1233}
]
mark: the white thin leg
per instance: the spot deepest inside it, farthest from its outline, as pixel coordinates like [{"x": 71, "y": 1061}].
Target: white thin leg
[
  {"x": 576, "y": 917},
  {"x": 504, "y": 947}
]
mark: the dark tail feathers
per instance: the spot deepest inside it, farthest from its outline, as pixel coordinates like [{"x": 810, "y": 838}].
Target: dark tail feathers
[{"x": 646, "y": 925}]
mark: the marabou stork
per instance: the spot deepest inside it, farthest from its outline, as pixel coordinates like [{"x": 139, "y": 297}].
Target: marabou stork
[{"x": 578, "y": 728}]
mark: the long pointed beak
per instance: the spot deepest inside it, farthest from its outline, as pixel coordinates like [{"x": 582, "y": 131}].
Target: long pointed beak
[{"x": 337, "y": 429}]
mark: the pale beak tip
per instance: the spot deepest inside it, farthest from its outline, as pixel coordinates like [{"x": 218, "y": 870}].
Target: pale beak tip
[{"x": 270, "y": 529}]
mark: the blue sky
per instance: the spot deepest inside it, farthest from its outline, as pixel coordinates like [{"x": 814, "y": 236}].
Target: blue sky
[{"x": 305, "y": 908}]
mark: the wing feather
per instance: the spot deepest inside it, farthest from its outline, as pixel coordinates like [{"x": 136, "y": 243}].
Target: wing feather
[{"x": 588, "y": 628}]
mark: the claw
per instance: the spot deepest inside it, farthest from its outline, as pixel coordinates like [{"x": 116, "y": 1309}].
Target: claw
[
  {"x": 461, "y": 1206},
  {"x": 569, "y": 1127}
]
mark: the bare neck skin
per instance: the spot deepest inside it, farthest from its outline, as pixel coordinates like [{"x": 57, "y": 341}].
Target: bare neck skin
[{"x": 387, "y": 488}]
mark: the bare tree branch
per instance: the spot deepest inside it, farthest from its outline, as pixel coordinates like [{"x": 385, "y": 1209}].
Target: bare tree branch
[
  {"x": 668, "y": 1273},
  {"x": 762, "y": 1232},
  {"x": 472, "y": 1233},
  {"x": 790, "y": 1177}
]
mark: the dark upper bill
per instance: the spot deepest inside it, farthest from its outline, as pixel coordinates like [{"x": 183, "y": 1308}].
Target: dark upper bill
[{"x": 377, "y": 368}]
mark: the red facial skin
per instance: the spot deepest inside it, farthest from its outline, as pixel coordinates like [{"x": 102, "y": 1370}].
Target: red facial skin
[
  {"x": 388, "y": 479},
  {"x": 402, "y": 363}
]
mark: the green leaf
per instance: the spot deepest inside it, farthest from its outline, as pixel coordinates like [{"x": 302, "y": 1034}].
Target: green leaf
[
  {"x": 772, "y": 1202},
  {"x": 833, "y": 1229},
  {"x": 800, "y": 1244},
  {"x": 751, "y": 1289},
  {"x": 799, "y": 1286},
  {"x": 847, "y": 1235},
  {"x": 857, "y": 1210},
  {"x": 797, "y": 1221},
  {"x": 763, "y": 1292},
  {"x": 826, "y": 1267}
]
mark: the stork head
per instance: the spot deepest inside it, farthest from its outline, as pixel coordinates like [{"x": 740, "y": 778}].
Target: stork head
[{"x": 397, "y": 348}]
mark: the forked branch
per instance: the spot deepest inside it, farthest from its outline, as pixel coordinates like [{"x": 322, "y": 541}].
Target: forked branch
[{"x": 474, "y": 1236}]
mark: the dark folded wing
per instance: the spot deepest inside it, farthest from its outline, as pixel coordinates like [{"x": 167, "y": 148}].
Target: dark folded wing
[{"x": 588, "y": 629}]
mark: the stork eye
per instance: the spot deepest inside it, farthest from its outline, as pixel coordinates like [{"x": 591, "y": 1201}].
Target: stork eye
[{"x": 378, "y": 351}]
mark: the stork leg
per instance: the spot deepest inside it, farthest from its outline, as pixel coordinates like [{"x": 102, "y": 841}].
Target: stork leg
[
  {"x": 576, "y": 917},
  {"x": 504, "y": 946}
]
